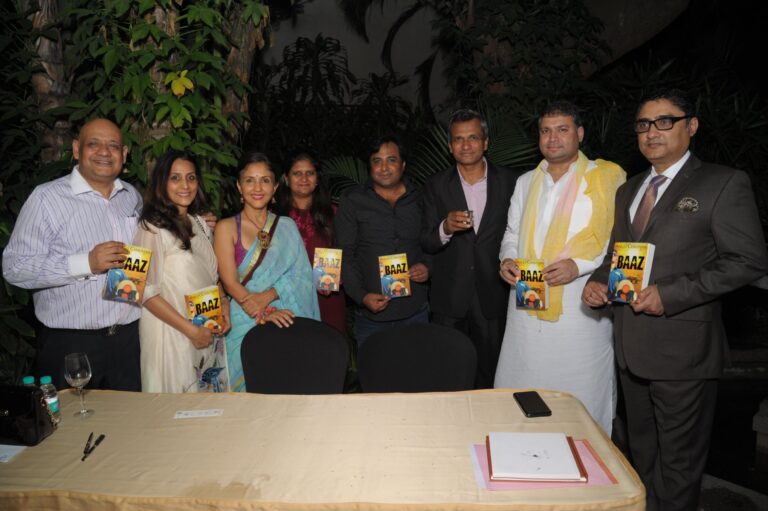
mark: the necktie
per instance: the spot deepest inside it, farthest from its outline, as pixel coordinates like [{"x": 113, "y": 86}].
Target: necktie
[{"x": 643, "y": 212}]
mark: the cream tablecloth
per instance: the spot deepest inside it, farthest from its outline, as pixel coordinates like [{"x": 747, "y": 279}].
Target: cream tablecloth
[{"x": 350, "y": 452}]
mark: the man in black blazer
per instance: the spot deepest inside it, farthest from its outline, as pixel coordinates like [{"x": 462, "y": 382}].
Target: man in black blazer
[
  {"x": 465, "y": 213},
  {"x": 670, "y": 342}
]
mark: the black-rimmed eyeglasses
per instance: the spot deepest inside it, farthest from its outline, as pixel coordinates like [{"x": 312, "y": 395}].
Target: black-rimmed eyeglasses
[{"x": 662, "y": 123}]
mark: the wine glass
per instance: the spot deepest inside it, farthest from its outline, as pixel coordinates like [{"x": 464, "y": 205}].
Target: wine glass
[{"x": 77, "y": 371}]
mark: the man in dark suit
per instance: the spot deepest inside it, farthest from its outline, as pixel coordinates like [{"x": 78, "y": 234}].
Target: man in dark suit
[
  {"x": 670, "y": 342},
  {"x": 465, "y": 213}
]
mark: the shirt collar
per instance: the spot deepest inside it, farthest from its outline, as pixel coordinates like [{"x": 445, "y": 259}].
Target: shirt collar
[
  {"x": 485, "y": 173},
  {"x": 545, "y": 169},
  {"x": 80, "y": 185},
  {"x": 672, "y": 170}
]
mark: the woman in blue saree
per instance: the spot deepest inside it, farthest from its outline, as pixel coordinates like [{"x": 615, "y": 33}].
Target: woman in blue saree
[{"x": 263, "y": 264}]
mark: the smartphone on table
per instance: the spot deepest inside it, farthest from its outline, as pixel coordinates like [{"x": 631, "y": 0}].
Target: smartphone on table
[{"x": 531, "y": 404}]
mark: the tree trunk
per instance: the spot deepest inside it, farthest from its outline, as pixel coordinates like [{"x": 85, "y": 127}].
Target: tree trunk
[
  {"x": 50, "y": 84},
  {"x": 247, "y": 38}
]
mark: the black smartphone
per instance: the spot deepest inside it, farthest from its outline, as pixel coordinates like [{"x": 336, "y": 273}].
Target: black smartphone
[{"x": 531, "y": 404}]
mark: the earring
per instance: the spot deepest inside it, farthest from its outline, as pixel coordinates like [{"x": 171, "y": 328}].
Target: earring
[
  {"x": 273, "y": 200},
  {"x": 242, "y": 201}
]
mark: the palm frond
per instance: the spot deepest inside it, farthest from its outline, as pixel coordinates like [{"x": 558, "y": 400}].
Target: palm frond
[{"x": 344, "y": 172}]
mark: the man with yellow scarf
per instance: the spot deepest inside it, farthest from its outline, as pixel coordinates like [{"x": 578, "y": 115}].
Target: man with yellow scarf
[{"x": 561, "y": 212}]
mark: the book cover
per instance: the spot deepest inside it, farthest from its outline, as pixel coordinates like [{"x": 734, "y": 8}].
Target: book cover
[
  {"x": 204, "y": 307},
  {"x": 326, "y": 269},
  {"x": 126, "y": 284},
  {"x": 531, "y": 291},
  {"x": 393, "y": 271},
  {"x": 630, "y": 270},
  {"x": 517, "y": 456}
]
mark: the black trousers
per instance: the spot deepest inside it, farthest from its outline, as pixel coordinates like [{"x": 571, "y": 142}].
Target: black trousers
[
  {"x": 486, "y": 334},
  {"x": 114, "y": 357},
  {"x": 669, "y": 423}
]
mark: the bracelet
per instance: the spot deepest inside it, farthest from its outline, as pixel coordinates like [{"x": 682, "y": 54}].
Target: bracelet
[{"x": 261, "y": 317}]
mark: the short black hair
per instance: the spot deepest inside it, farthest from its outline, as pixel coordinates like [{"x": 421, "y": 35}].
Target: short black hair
[
  {"x": 390, "y": 138},
  {"x": 675, "y": 96},
  {"x": 465, "y": 115},
  {"x": 562, "y": 107}
]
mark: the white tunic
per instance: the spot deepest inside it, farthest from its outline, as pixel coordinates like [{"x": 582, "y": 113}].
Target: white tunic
[
  {"x": 169, "y": 360},
  {"x": 574, "y": 354}
]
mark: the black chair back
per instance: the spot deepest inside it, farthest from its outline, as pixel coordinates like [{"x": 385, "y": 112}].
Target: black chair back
[
  {"x": 417, "y": 358},
  {"x": 309, "y": 357}
]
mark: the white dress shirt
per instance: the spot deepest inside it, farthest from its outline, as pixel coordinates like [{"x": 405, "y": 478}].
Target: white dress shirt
[{"x": 57, "y": 227}]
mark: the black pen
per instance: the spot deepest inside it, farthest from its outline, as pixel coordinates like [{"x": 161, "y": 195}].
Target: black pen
[
  {"x": 88, "y": 444},
  {"x": 97, "y": 442}
]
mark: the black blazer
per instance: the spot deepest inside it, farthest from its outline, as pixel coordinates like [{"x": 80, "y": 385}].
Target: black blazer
[
  {"x": 469, "y": 261},
  {"x": 709, "y": 242}
]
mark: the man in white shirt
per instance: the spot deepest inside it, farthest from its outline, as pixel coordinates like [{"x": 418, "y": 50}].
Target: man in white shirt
[
  {"x": 561, "y": 212},
  {"x": 69, "y": 232}
]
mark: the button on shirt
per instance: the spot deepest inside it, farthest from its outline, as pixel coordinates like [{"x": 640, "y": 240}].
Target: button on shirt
[
  {"x": 367, "y": 227},
  {"x": 57, "y": 227}
]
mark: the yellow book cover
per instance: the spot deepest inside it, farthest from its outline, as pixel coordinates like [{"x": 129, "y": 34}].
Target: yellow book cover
[
  {"x": 630, "y": 270},
  {"x": 126, "y": 284},
  {"x": 393, "y": 270},
  {"x": 531, "y": 291},
  {"x": 204, "y": 307},
  {"x": 326, "y": 269}
]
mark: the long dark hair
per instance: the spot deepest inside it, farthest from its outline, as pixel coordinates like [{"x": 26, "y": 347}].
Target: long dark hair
[
  {"x": 160, "y": 211},
  {"x": 321, "y": 210}
]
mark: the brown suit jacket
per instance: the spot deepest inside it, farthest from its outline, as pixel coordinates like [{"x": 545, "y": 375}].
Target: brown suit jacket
[{"x": 709, "y": 242}]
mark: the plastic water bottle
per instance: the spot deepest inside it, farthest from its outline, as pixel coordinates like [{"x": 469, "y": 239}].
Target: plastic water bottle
[
  {"x": 28, "y": 381},
  {"x": 51, "y": 397}
]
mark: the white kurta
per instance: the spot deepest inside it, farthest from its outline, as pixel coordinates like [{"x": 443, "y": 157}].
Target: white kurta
[
  {"x": 168, "y": 358},
  {"x": 574, "y": 354}
]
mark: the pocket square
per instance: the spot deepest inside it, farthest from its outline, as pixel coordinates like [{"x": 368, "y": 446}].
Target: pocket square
[{"x": 687, "y": 205}]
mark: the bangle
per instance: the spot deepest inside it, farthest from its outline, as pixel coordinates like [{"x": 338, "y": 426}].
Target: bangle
[
  {"x": 261, "y": 317},
  {"x": 240, "y": 302}
]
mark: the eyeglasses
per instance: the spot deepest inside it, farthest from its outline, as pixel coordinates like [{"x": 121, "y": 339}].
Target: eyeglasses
[{"x": 662, "y": 123}]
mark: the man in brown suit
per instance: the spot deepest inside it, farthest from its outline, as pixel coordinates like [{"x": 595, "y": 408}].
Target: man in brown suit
[{"x": 670, "y": 343}]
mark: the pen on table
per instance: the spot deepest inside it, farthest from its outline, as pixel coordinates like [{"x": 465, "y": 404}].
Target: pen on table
[
  {"x": 88, "y": 444},
  {"x": 96, "y": 443}
]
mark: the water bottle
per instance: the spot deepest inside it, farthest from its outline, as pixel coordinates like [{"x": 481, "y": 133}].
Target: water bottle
[
  {"x": 28, "y": 381},
  {"x": 51, "y": 397}
]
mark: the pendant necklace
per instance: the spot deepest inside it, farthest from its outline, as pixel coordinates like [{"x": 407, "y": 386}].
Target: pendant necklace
[{"x": 263, "y": 236}]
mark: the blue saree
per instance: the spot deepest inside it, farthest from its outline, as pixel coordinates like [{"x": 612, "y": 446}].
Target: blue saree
[{"x": 286, "y": 268}]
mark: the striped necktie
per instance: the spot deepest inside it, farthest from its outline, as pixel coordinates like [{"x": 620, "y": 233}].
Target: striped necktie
[{"x": 643, "y": 212}]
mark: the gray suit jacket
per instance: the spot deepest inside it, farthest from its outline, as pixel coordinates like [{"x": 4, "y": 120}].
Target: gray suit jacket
[{"x": 709, "y": 242}]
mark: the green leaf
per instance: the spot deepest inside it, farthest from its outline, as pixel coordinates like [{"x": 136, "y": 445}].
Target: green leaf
[
  {"x": 121, "y": 7},
  {"x": 111, "y": 58},
  {"x": 145, "y": 5},
  {"x": 161, "y": 114}
]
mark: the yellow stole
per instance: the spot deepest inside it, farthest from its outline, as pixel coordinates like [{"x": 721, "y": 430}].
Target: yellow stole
[{"x": 588, "y": 243}]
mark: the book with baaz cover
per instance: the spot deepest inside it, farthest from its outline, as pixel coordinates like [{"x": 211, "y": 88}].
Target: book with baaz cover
[
  {"x": 127, "y": 284},
  {"x": 523, "y": 456},
  {"x": 393, "y": 271},
  {"x": 204, "y": 309},
  {"x": 326, "y": 269},
  {"x": 531, "y": 290},
  {"x": 630, "y": 270}
]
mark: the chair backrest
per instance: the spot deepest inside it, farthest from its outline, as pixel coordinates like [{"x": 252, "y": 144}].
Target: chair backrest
[
  {"x": 309, "y": 357},
  {"x": 417, "y": 358}
]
